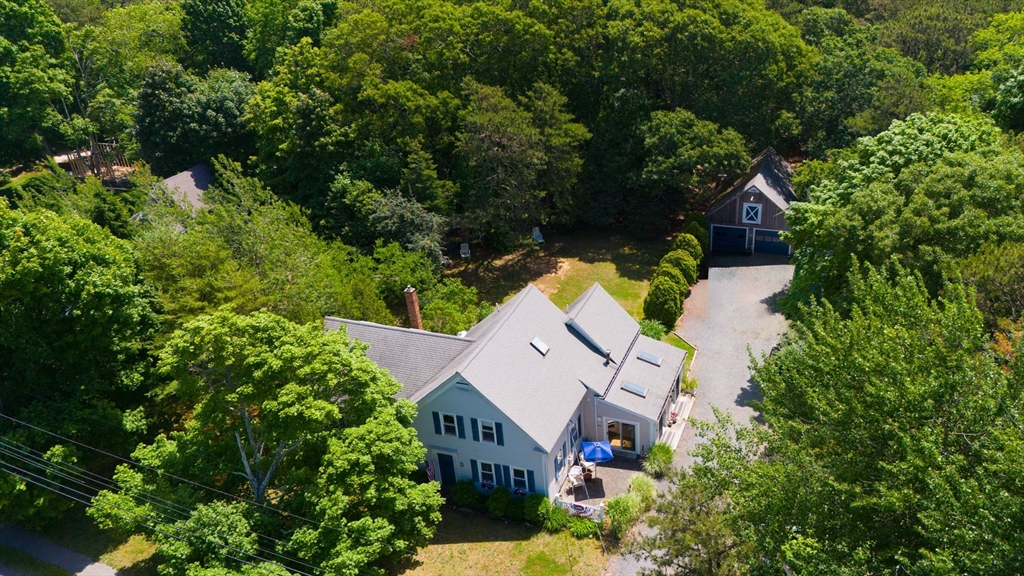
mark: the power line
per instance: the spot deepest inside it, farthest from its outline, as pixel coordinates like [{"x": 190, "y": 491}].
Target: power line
[
  {"x": 7, "y": 466},
  {"x": 105, "y": 483},
  {"x": 169, "y": 475}
]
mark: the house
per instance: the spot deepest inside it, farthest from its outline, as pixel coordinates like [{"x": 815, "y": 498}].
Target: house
[
  {"x": 188, "y": 186},
  {"x": 508, "y": 402},
  {"x": 750, "y": 214}
]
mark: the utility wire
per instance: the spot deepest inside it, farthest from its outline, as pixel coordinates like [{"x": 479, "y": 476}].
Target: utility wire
[
  {"x": 169, "y": 475},
  {"x": 7, "y": 467},
  {"x": 46, "y": 465},
  {"x": 109, "y": 484}
]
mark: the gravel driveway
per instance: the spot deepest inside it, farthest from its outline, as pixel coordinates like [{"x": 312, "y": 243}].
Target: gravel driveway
[{"x": 731, "y": 310}]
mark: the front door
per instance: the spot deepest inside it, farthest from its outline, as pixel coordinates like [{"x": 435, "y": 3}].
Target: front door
[
  {"x": 622, "y": 435},
  {"x": 447, "y": 467}
]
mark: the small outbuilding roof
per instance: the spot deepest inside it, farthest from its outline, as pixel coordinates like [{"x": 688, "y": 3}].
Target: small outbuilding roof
[
  {"x": 770, "y": 174},
  {"x": 190, "y": 185}
]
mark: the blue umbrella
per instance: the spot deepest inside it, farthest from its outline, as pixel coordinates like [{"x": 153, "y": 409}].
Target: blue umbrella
[{"x": 597, "y": 451}]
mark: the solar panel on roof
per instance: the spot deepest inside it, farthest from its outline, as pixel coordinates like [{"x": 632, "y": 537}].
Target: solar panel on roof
[
  {"x": 649, "y": 358},
  {"x": 540, "y": 346},
  {"x": 634, "y": 388}
]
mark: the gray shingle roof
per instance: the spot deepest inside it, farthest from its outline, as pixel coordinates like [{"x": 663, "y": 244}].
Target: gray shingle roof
[
  {"x": 657, "y": 379},
  {"x": 769, "y": 173},
  {"x": 190, "y": 184},
  {"x": 412, "y": 356},
  {"x": 601, "y": 317}
]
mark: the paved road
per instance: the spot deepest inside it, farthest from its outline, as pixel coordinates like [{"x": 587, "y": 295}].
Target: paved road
[
  {"x": 724, "y": 314},
  {"x": 731, "y": 310},
  {"x": 50, "y": 553}
]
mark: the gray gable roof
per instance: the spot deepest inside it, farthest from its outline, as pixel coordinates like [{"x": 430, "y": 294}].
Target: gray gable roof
[
  {"x": 597, "y": 314},
  {"x": 770, "y": 174},
  {"x": 412, "y": 356},
  {"x": 658, "y": 380},
  {"x": 188, "y": 186}
]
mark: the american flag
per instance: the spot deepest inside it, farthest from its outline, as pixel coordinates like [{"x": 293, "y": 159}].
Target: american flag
[{"x": 430, "y": 469}]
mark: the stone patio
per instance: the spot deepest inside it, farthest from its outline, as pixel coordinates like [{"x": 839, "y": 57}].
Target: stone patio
[{"x": 611, "y": 479}]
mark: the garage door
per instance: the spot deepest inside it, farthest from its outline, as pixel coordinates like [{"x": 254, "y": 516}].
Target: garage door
[
  {"x": 768, "y": 242},
  {"x": 728, "y": 238}
]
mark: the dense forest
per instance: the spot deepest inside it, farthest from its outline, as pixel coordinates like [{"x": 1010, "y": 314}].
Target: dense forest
[{"x": 351, "y": 143}]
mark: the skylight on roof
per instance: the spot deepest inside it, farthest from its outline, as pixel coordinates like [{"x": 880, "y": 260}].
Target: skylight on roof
[
  {"x": 634, "y": 388},
  {"x": 649, "y": 358},
  {"x": 540, "y": 346}
]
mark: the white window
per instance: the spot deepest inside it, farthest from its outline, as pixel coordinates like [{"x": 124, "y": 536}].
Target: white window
[
  {"x": 487, "y": 431},
  {"x": 559, "y": 458},
  {"x": 486, "y": 473},
  {"x": 573, "y": 434},
  {"x": 448, "y": 424},
  {"x": 751, "y": 213},
  {"x": 518, "y": 479}
]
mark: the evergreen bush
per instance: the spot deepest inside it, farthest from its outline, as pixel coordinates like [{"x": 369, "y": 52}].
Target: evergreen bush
[
  {"x": 465, "y": 495},
  {"x": 535, "y": 509},
  {"x": 689, "y": 244},
  {"x": 514, "y": 510},
  {"x": 663, "y": 302},
  {"x": 669, "y": 271},
  {"x": 697, "y": 218},
  {"x": 498, "y": 501},
  {"x": 682, "y": 261},
  {"x": 699, "y": 232},
  {"x": 659, "y": 460}
]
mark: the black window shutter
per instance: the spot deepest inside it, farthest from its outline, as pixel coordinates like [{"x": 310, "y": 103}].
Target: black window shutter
[
  {"x": 476, "y": 475},
  {"x": 475, "y": 425},
  {"x": 579, "y": 426},
  {"x": 529, "y": 481},
  {"x": 508, "y": 476},
  {"x": 498, "y": 433},
  {"x": 498, "y": 478},
  {"x": 437, "y": 423},
  {"x": 462, "y": 426}
]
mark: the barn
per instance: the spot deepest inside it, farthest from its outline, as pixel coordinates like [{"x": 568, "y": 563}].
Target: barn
[{"x": 749, "y": 215}]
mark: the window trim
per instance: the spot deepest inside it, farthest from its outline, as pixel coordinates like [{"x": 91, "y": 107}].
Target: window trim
[
  {"x": 493, "y": 472},
  {"x": 559, "y": 461},
  {"x": 444, "y": 425},
  {"x": 526, "y": 482},
  {"x": 743, "y": 213},
  {"x": 494, "y": 431}
]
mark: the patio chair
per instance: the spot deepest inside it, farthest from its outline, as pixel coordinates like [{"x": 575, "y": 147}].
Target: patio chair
[
  {"x": 464, "y": 251},
  {"x": 537, "y": 236}
]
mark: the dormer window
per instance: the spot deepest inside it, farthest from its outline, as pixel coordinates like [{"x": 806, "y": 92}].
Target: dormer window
[{"x": 751, "y": 213}]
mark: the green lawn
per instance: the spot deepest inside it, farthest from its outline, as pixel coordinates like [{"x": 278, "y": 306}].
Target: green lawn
[
  {"x": 678, "y": 342},
  {"x": 472, "y": 544},
  {"x": 568, "y": 265},
  {"x": 133, "y": 556},
  {"x": 14, "y": 560}
]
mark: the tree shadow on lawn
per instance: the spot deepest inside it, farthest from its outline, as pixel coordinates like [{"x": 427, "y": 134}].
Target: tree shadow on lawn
[{"x": 497, "y": 277}]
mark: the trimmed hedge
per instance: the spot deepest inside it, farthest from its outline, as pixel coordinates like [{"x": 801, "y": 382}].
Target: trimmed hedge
[
  {"x": 498, "y": 501},
  {"x": 465, "y": 495},
  {"x": 663, "y": 303},
  {"x": 689, "y": 244},
  {"x": 669, "y": 271},
  {"x": 682, "y": 261},
  {"x": 697, "y": 218},
  {"x": 535, "y": 509},
  {"x": 699, "y": 232},
  {"x": 514, "y": 510}
]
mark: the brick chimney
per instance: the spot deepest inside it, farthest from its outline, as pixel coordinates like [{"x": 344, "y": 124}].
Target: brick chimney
[{"x": 413, "y": 303}]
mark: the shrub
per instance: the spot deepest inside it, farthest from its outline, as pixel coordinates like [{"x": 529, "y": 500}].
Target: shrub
[
  {"x": 535, "y": 509},
  {"x": 688, "y": 383},
  {"x": 557, "y": 520},
  {"x": 514, "y": 510},
  {"x": 582, "y": 528},
  {"x": 652, "y": 329},
  {"x": 682, "y": 261},
  {"x": 672, "y": 273},
  {"x": 465, "y": 495},
  {"x": 689, "y": 244},
  {"x": 663, "y": 302},
  {"x": 697, "y": 218},
  {"x": 498, "y": 501},
  {"x": 699, "y": 232},
  {"x": 659, "y": 460},
  {"x": 643, "y": 486},
  {"x": 624, "y": 511}
]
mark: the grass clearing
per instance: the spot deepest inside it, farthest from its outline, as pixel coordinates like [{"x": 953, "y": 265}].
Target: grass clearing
[
  {"x": 133, "y": 556},
  {"x": 678, "y": 342},
  {"x": 471, "y": 544},
  {"x": 566, "y": 266},
  {"x": 25, "y": 564}
]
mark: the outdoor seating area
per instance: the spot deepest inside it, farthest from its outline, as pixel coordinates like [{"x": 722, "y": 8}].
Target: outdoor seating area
[{"x": 597, "y": 475}]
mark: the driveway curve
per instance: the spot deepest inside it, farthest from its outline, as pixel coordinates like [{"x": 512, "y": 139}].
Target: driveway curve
[{"x": 724, "y": 315}]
